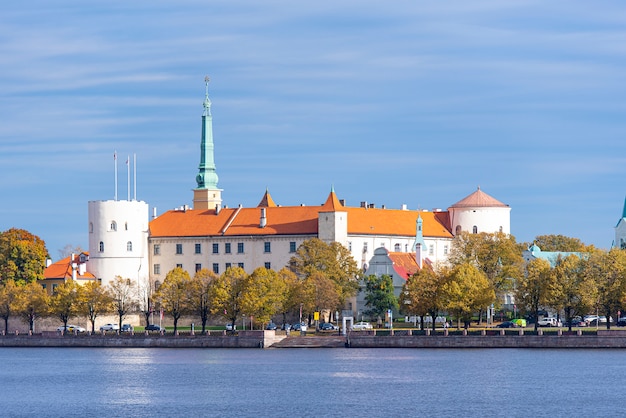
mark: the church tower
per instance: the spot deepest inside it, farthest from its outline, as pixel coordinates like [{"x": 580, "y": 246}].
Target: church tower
[
  {"x": 207, "y": 195},
  {"x": 620, "y": 230}
]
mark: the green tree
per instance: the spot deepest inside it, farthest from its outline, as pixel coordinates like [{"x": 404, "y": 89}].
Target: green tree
[
  {"x": 8, "y": 300},
  {"x": 320, "y": 293},
  {"x": 64, "y": 302},
  {"x": 174, "y": 294},
  {"x": 264, "y": 294},
  {"x": 533, "y": 288},
  {"x": 22, "y": 256},
  {"x": 608, "y": 271},
  {"x": 32, "y": 303},
  {"x": 227, "y": 294},
  {"x": 466, "y": 291},
  {"x": 93, "y": 300},
  {"x": 495, "y": 254},
  {"x": 560, "y": 243},
  {"x": 379, "y": 295},
  {"x": 200, "y": 291},
  {"x": 294, "y": 293},
  {"x": 424, "y": 294},
  {"x": 333, "y": 260},
  {"x": 123, "y": 296}
]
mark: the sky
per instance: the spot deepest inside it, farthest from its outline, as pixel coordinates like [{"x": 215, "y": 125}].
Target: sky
[{"x": 404, "y": 102}]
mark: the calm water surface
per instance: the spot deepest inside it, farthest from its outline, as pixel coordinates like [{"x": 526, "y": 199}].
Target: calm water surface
[{"x": 52, "y": 382}]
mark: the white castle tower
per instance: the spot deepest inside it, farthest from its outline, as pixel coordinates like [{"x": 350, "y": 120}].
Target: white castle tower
[
  {"x": 118, "y": 238},
  {"x": 478, "y": 213}
]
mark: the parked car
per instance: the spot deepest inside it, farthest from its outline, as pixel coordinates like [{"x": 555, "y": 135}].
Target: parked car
[
  {"x": 71, "y": 328},
  {"x": 231, "y": 327},
  {"x": 127, "y": 328},
  {"x": 271, "y": 326},
  {"x": 549, "y": 322},
  {"x": 327, "y": 326},
  {"x": 299, "y": 327},
  {"x": 285, "y": 327},
  {"x": 154, "y": 327},
  {"x": 621, "y": 322},
  {"x": 361, "y": 326},
  {"x": 507, "y": 324},
  {"x": 576, "y": 322},
  {"x": 109, "y": 327}
]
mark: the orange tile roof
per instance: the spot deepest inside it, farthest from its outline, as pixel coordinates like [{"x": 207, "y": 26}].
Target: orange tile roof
[
  {"x": 62, "y": 269},
  {"x": 296, "y": 220},
  {"x": 478, "y": 199},
  {"x": 404, "y": 264}
]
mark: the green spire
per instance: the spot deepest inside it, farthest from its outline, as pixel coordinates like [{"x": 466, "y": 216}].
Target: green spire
[
  {"x": 207, "y": 176},
  {"x": 624, "y": 210}
]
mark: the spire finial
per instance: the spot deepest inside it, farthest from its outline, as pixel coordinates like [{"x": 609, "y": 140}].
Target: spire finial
[{"x": 207, "y": 102}]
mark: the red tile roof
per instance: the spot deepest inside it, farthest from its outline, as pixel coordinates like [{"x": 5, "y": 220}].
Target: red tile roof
[
  {"x": 62, "y": 269},
  {"x": 478, "y": 199},
  {"x": 404, "y": 264},
  {"x": 296, "y": 220}
]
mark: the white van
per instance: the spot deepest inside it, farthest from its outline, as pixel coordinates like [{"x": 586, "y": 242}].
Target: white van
[{"x": 549, "y": 322}]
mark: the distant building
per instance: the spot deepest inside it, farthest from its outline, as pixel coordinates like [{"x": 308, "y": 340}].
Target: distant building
[
  {"x": 73, "y": 268},
  {"x": 551, "y": 257},
  {"x": 620, "y": 231}
]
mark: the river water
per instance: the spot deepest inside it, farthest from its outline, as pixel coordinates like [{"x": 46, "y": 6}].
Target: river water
[{"x": 93, "y": 382}]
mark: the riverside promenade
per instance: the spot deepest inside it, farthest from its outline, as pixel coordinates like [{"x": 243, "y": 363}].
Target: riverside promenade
[{"x": 363, "y": 339}]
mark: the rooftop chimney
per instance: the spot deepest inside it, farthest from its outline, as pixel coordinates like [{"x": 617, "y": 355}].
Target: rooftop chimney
[{"x": 263, "y": 221}]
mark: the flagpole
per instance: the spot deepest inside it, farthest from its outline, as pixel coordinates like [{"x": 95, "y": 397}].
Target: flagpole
[
  {"x": 115, "y": 171},
  {"x": 134, "y": 176},
  {"x": 128, "y": 175}
]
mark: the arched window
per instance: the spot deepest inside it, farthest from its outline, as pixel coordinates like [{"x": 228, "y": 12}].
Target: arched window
[
  {"x": 474, "y": 229},
  {"x": 101, "y": 246},
  {"x": 501, "y": 229},
  {"x": 458, "y": 230},
  {"x": 129, "y": 246},
  {"x": 113, "y": 226},
  {"x": 397, "y": 248}
]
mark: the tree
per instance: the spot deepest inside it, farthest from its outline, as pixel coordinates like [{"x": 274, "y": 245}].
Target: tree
[
  {"x": 68, "y": 250},
  {"x": 32, "y": 303},
  {"x": 466, "y": 291},
  {"x": 122, "y": 293},
  {"x": 379, "y": 295},
  {"x": 560, "y": 243},
  {"x": 264, "y": 294},
  {"x": 22, "y": 256},
  {"x": 533, "y": 288},
  {"x": 320, "y": 293},
  {"x": 8, "y": 300},
  {"x": 294, "y": 292},
  {"x": 423, "y": 294},
  {"x": 608, "y": 271},
  {"x": 495, "y": 254},
  {"x": 145, "y": 298},
  {"x": 174, "y": 294},
  {"x": 93, "y": 300},
  {"x": 572, "y": 292},
  {"x": 200, "y": 294},
  {"x": 227, "y": 293},
  {"x": 64, "y": 302},
  {"x": 333, "y": 260}
]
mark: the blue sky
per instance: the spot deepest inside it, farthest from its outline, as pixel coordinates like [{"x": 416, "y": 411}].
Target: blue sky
[{"x": 404, "y": 102}]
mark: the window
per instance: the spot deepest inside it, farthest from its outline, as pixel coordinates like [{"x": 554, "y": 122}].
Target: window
[
  {"x": 445, "y": 249},
  {"x": 292, "y": 247},
  {"x": 156, "y": 250},
  {"x": 113, "y": 226},
  {"x": 268, "y": 265},
  {"x": 458, "y": 230},
  {"x": 406, "y": 248},
  {"x": 198, "y": 249},
  {"x": 350, "y": 245},
  {"x": 240, "y": 248},
  {"x": 156, "y": 269},
  {"x": 54, "y": 288},
  {"x": 240, "y": 265},
  {"x": 129, "y": 246},
  {"x": 126, "y": 226},
  {"x": 91, "y": 227},
  {"x": 101, "y": 247},
  {"x": 227, "y": 248},
  {"x": 474, "y": 229},
  {"x": 397, "y": 248},
  {"x": 365, "y": 247},
  {"x": 179, "y": 248},
  {"x": 267, "y": 247},
  {"x": 500, "y": 229},
  {"x": 198, "y": 267},
  {"x": 431, "y": 249},
  {"x": 180, "y": 266},
  {"x": 216, "y": 268},
  {"x": 216, "y": 248},
  {"x": 44, "y": 286},
  {"x": 228, "y": 265}
]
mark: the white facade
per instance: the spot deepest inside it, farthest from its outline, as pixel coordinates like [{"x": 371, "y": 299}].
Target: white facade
[{"x": 118, "y": 240}]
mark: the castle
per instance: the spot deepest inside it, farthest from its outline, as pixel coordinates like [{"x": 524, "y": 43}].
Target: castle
[{"x": 123, "y": 241}]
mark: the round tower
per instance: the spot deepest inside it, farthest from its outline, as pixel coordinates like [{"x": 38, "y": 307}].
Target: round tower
[
  {"x": 478, "y": 213},
  {"x": 118, "y": 240}
]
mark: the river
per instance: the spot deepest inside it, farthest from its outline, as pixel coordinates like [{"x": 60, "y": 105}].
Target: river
[{"x": 95, "y": 382}]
